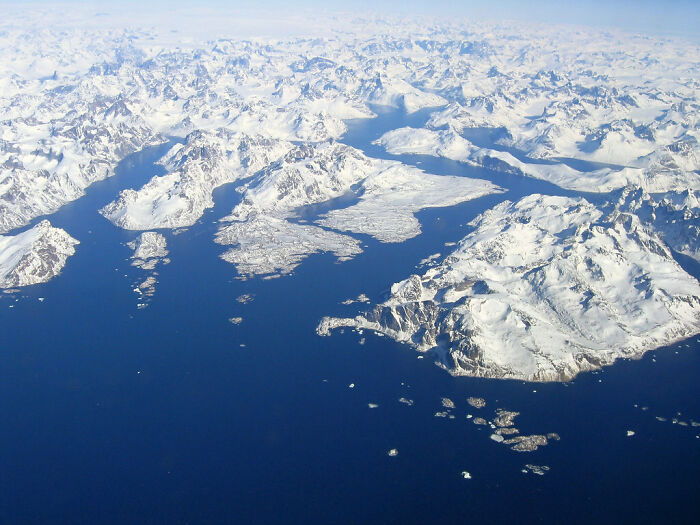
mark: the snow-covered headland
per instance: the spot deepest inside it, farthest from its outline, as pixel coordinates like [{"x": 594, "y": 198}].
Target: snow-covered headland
[
  {"x": 541, "y": 290},
  {"x": 34, "y": 256}
]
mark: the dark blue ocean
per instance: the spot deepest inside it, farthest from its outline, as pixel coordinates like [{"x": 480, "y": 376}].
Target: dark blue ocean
[{"x": 171, "y": 414}]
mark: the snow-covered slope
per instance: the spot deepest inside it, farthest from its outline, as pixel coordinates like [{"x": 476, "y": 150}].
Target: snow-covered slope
[
  {"x": 388, "y": 194},
  {"x": 77, "y": 97},
  {"x": 45, "y": 163},
  {"x": 308, "y": 174},
  {"x": 449, "y": 144},
  {"x": 675, "y": 216},
  {"x": 34, "y": 256},
  {"x": 268, "y": 245},
  {"x": 541, "y": 290},
  {"x": 388, "y": 200},
  {"x": 206, "y": 160}
]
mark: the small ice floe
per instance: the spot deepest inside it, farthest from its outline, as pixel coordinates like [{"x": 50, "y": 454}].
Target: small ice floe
[
  {"x": 630, "y": 433},
  {"x": 235, "y": 320},
  {"x": 441, "y": 414},
  {"x": 420, "y": 357},
  {"x": 242, "y": 345},
  {"x": 41, "y": 299},
  {"x": 497, "y": 438},
  {"x": 662, "y": 419},
  {"x": 450, "y": 244},
  {"x": 476, "y": 402},
  {"x": 536, "y": 469},
  {"x": 372, "y": 405},
  {"x": 480, "y": 421},
  {"x": 351, "y": 385},
  {"x": 466, "y": 475},
  {"x": 406, "y": 401},
  {"x": 469, "y": 416},
  {"x": 361, "y": 341},
  {"x": 393, "y": 452}
]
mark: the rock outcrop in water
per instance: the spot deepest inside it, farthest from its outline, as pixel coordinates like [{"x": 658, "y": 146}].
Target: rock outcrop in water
[{"x": 150, "y": 250}]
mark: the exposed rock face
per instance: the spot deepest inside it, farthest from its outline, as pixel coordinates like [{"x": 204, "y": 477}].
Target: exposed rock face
[
  {"x": 542, "y": 289},
  {"x": 34, "y": 256}
]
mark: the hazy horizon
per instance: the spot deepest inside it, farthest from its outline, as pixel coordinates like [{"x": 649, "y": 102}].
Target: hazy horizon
[{"x": 676, "y": 18}]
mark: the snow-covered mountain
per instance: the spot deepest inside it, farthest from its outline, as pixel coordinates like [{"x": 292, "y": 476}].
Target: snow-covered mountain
[
  {"x": 76, "y": 100},
  {"x": 675, "y": 216},
  {"x": 388, "y": 193},
  {"x": 542, "y": 289},
  {"x": 451, "y": 145},
  {"x": 34, "y": 256},
  {"x": 204, "y": 162}
]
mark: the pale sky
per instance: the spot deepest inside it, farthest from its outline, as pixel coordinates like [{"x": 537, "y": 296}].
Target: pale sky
[{"x": 671, "y": 17}]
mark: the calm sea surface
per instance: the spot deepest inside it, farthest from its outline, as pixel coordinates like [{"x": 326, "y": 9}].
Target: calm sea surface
[{"x": 171, "y": 414}]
